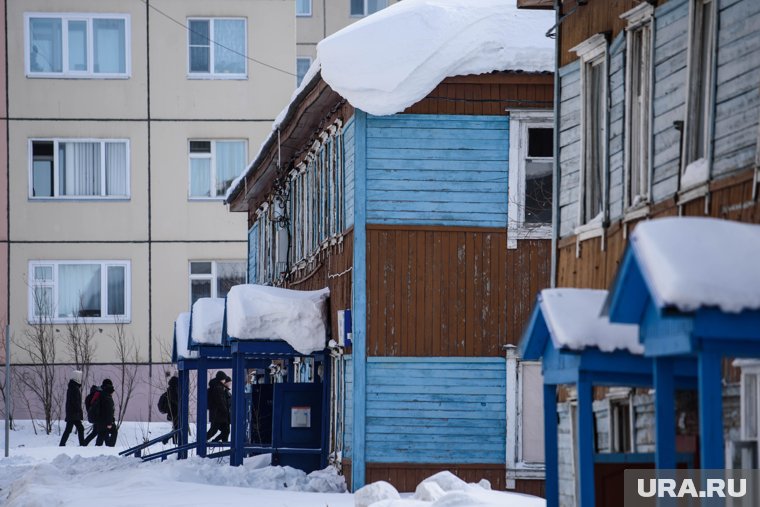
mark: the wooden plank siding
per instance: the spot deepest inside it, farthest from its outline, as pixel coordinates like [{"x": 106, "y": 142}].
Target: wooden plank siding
[
  {"x": 437, "y": 170},
  {"x": 349, "y": 161},
  {"x": 617, "y": 125},
  {"x": 594, "y": 16},
  {"x": 488, "y": 94}
]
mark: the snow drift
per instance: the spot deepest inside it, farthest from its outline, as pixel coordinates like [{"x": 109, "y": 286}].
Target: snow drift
[
  {"x": 182, "y": 335},
  {"x": 388, "y": 61},
  {"x": 207, "y": 317},
  {"x": 258, "y": 312}
]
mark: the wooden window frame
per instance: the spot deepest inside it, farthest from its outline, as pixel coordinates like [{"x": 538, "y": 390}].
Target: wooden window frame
[
  {"x": 520, "y": 121},
  {"x": 639, "y": 19},
  {"x": 593, "y": 51}
]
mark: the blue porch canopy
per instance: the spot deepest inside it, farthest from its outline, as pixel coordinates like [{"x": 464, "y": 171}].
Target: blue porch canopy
[
  {"x": 578, "y": 346},
  {"x": 693, "y": 287}
]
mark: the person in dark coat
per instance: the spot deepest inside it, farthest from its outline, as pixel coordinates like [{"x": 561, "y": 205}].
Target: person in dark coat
[
  {"x": 105, "y": 423},
  {"x": 172, "y": 394},
  {"x": 74, "y": 414},
  {"x": 219, "y": 407}
]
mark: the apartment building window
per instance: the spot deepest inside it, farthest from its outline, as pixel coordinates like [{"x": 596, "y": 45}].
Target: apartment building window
[
  {"x": 81, "y": 168},
  {"x": 593, "y": 55},
  {"x": 214, "y": 279},
  {"x": 303, "y": 7},
  {"x": 531, "y": 148},
  {"x": 638, "y": 101},
  {"x": 302, "y": 67},
  {"x": 77, "y": 45},
  {"x": 217, "y": 48},
  {"x": 62, "y": 291},
  {"x": 700, "y": 92},
  {"x": 367, "y": 7},
  {"x": 213, "y": 167}
]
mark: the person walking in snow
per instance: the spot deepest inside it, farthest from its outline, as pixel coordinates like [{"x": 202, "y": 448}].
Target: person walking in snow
[
  {"x": 172, "y": 395},
  {"x": 74, "y": 414},
  {"x": 103, "y": 416},
  {"x": 218, "y": 408}
]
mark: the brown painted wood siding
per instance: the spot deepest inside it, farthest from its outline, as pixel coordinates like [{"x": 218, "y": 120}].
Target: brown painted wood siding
[
  {"x": 333, "y": 270},
  {"x": 597, "y": 16},
  {"x": 442, "y": 291},
  {"x": 490, "y": 94},
  {"x": 406, "y": 476}
]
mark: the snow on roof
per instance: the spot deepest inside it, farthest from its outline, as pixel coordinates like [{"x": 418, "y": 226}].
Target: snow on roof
[
  {"x": 258, "y": 312},
  {"x": 574, "y": 319},
  {"x": 388, "y": 61},
  {"x": 394, "y": 58},
  {"x": 182, "y": 335},
  {"x": 207, "y": 317},
  {"x": 691, "y": 262}
]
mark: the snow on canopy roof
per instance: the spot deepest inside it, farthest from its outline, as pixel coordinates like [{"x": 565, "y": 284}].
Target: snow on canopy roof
[
  {"x": 386, "y": 62},
  {"x": 207, "y": 317},
  {"x": 182, "y": 335},
  {"x": 691, "y": 262},
  {"x": 258, "y": 312},
  {"x": 574, "y": 319}
]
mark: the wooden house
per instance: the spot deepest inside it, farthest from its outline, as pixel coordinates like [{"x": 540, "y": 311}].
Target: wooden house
[{"x": 657, "y": 115}]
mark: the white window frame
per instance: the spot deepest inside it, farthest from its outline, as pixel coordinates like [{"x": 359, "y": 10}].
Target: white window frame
[
  {"x": 56, "y": 177},
  {"x": 305, "y": 14},
  {"x": 212, "y": 277},
  {"x": 212, "y": 156},
  {"x": 90, "y": 73},
  {"x": 104, "y": 265},
  {"x": 639, "y": 19},
  {"x": 211, "y": 74},
  {"x": 696, "y": 171},
  {"x": 366, "y": 9},
  {"x": 517, "y": 468},
  {"x": 310, "y": 59},
  {"x": 749, "y": 368},
  {"x": 520, "y": 121},
  {"x": 592, "y": 52}
]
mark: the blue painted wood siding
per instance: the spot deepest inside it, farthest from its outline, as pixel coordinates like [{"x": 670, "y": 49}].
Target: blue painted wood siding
[
  {"x": 348, "y": 407},
  {"x": 437, "y": 170},
  {"x": 617, "y": 125},
  {"x": 569, "y": 146},
  {"x": 671, "y": 33},
  {"x": 737, "y": 95},
  {"x": 348, "y": 161},
  {"x": 253, "y": 253},
  {"x": 436, "y": 410}
]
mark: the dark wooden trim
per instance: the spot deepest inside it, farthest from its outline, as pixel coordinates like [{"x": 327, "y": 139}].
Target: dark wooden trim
[
  {"x": 567, "y": 241},
  {"x": 546, "y": 5},
  {"x": 733, "y": 180},
  {"x": 503, "y": 78}
]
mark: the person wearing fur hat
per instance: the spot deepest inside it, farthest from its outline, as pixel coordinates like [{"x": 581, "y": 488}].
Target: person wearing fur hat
[
  {"x": 105, "y": 423},
  {"x": 74, "y": 414},
  {"x": 219, "y": 407}
]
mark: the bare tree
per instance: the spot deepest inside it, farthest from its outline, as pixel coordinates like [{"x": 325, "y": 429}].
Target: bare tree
[
  {"x": 38, "y": 380},
  {"x": 127, "y": 358},
  {"x": 80, "y": 343},
  {"x": 4, "y": 390}
]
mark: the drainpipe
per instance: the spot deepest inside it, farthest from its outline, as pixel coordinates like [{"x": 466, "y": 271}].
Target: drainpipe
[{"x": 555, "y": 179}]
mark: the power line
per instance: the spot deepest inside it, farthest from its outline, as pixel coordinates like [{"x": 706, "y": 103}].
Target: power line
[{"x": 214, "y": 42}]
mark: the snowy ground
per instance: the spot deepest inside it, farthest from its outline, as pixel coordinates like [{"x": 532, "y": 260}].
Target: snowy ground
[{"x": 39, "y": 473}]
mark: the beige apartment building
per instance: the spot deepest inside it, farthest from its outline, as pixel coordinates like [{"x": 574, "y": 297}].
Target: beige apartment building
[
  {"x": 316, "y": 19},
  {"x": 127, "y": 121}
]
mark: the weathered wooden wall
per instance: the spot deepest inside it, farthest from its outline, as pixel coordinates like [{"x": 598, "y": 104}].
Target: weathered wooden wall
[
  {"x": 332, "y": 269},
  {"x": 434, "y": 291},
  {"x": 488, "y": 94}
]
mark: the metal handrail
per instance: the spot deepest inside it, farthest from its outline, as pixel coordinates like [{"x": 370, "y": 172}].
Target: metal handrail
[{"x": 136, "y": 449}]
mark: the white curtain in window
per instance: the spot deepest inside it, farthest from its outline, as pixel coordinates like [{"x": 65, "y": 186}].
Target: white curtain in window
[
  {"x": 229, "y": 35},
  {"x": 200, "y": 177},
  {"x": 116, "y": 169},
  {"x": 79, "y": 168},
  {"x": 45, "y": 45},
  {"x": 78, "y": 45},
  {"x": 230, "y": 162},
  {"x": 79, "y": 290},
  {"x": 110, "y": 49}
]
